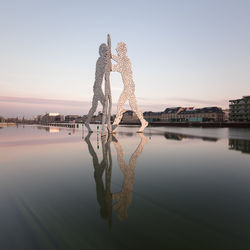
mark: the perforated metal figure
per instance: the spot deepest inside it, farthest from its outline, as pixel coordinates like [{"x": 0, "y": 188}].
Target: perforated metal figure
[
  {"x": 97, "y": 89},
  {"x": 108, "y": 97},
  {"x": 124, "y": 67}
]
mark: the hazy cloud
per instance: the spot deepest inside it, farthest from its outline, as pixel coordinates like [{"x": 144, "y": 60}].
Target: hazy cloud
[
  {"x": 29, "y": 107},
  {"x": 42, "y": 101},
  {"x": 198, "y": 102}
]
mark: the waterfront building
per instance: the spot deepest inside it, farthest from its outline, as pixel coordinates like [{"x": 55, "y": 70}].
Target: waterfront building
[
  {"x": 97, "y": 118},
  {"x": 151, "y": 116},
  {"x": 81, "y": 119},
  {"x": 50, "y": 117},
  {"x": 207, "y": 114},
  {"x": 129, "y": 116},
  {"x": 239, "y": 110},
  {"x": 172, "y": 114},
  {"x": 226, "y": 115},
  {"x": 39, "y": 118},
  {"x": 12, "y": 120},
  {"x": 187, "y": 114},
  {"x": 71, "y": 118}
]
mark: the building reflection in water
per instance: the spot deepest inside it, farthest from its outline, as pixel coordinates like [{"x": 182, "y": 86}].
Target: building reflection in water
[
  {"x": 239, "y": 145},
  {"x": 180, "y": 137},
  {"x": 107, "y": 200},
  {"x": 53, "y": 130},
  {"x": 49, "y": 129}
]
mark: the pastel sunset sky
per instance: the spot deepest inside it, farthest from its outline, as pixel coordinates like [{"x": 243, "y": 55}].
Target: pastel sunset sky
[{"x": 183, "y": 53}]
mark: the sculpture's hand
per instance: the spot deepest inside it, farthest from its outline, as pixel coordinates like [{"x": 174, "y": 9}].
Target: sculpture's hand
[
  {"x": 115, "y": 58},
  {"x": 115, "y": 68}
]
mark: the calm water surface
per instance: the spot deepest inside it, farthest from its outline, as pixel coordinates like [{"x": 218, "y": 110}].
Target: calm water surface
[{"x": 169, "y": 188}]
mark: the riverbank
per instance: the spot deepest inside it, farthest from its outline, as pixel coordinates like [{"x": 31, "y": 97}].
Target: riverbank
[
  {"x": 156, "y": 124},
  {"x": 7, "y": 124},
  {"x": 197, "y": 124}
]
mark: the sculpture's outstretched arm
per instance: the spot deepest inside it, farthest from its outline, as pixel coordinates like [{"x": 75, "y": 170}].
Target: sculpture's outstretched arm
[
  {"x": 115, "y": 58},
  {"x": 116, "y": 68}
]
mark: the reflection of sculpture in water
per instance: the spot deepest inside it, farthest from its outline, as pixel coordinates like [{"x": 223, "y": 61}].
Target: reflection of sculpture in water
[
  {"x": 124, "y": 67},
  {"x": 124, "y": 198},
  {"x": 98, "y": 92},
  {"x": 105, "y": 198}
]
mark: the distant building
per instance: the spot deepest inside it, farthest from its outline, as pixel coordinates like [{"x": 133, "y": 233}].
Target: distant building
[
  {"x": 97, "y": 118},
  {"x": 53, "y": 114},
  {"x": 11, "y": 120},
  {"x": 151, "y": 116},
  {"x": 129, "y": 116},
  {"x": 169, "y": 114},
  {"x": 1, "y": 119},
  {"x": 50, "y": 117},
  {"x": 226, "y": 115},
  {"x": 186, "y": 114},
  {"x": 71, "y": 118},
  {"x": 172, "y": 114},
  {"x": 39, "y": 118},
  {"x": 207, "y": 114},
  {"x": 82, "y": 119},
  {"x": 239, "y": 110}
]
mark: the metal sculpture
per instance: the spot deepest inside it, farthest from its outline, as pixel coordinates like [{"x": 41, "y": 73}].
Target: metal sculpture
[
  {"x": 104, "y": 66},
  {"x": 97, "y": 89},
  {"x": 124, "y": 67},
  {"x": 108, "y": 97}
]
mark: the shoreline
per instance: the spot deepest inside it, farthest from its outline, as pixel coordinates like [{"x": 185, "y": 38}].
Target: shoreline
[
  {"x": 153, "y": 124},
  {"x": 196, "y": 124},
  {"x": 7, "y": 124}
]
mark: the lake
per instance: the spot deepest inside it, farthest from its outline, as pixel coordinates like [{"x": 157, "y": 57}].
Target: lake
[{"x": 168, "y": 188}]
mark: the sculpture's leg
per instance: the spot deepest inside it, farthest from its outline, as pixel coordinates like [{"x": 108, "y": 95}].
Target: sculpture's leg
[
  {"x": 123, "y": 98},
  {"x": 102, "y": 99},
  {"x": 107, "y": 84},
  {"x": 104, "y": 112},
  {"x": 133, "y": 105},
  {"x": 91, "y": 112},
  {"x": 104, "y": 116},
  {"x": 109, "y": 114}
]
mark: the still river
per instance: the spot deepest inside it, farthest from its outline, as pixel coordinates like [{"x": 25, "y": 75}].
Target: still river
[{"x": 169, "y": 188}]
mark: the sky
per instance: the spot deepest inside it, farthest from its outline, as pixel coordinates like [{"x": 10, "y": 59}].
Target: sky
[{"x": 183, "y": 53}]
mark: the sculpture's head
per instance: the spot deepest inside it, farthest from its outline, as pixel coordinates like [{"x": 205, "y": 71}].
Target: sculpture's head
[
  {"x": 121, "y": 49},
  {"x": 103, "y": 50}
]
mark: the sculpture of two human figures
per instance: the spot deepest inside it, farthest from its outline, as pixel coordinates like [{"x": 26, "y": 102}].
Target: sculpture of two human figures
[{"x": 123, "y": 66}]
